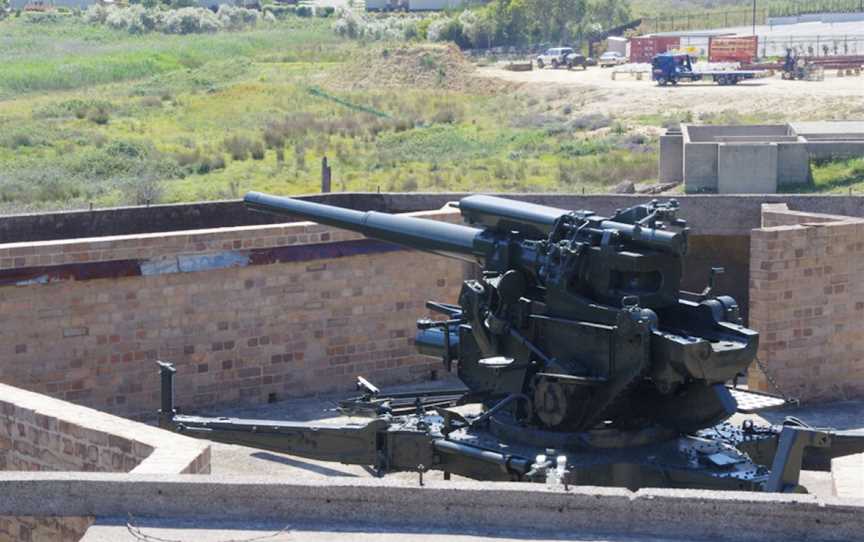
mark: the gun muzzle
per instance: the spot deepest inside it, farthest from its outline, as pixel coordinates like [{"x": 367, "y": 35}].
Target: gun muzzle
[{"x": 445, "y": 239}]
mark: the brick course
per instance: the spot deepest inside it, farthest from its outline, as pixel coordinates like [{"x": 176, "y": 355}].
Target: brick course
[
  {"x": 235, "y": 333},
  {"x": 808, "y": 304}
]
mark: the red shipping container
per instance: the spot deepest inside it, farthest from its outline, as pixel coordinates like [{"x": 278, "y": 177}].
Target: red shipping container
[
  {"x": 644, "y": 48},
  {"x": 733, "y": 49}
]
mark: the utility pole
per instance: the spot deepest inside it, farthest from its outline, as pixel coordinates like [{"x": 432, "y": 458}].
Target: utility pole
[{"x": 754, "y": 17}]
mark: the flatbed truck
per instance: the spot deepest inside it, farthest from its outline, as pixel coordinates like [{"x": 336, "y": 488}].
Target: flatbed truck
[{"x": 670, "y": 69}]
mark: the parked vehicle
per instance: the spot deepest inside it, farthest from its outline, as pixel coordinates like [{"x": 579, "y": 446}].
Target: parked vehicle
[
  {"x": 611, "y": 58},
  {"x": 561, "y": 57},
  {"x": 670, "y": 69}
]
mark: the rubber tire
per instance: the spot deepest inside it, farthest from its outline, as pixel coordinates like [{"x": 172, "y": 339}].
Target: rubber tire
[
  {"x": 554, "y": 64},
  {"x": 674, "y": 82},
  {"x": 662, "y": 81},
  {"x": 721, "y": 80},
  {"x": 733, "y": 80},
  {"x": 540, "y": 64}
]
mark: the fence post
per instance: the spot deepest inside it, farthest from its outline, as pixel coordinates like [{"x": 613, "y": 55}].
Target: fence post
[{"x": 325, "y": 176}]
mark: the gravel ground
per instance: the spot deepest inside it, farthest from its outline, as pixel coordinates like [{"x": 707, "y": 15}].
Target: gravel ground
[{"x": 594, "y": 91}]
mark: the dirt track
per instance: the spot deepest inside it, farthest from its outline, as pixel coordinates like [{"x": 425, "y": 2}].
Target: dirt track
[{"x": 593, "y": 91}]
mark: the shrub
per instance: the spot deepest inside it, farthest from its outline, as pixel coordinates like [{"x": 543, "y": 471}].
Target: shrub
[
  {"x": 98, "y": 115},
  {"x": 446, "y": 29},
  {"x": 96, "y": 14},
  {"x": 235, "y": 18},
  {"x": 134, "y": 19},
  {"x": 591, "y": 122},
  {"x": 238, "y": 147},
  {"x": 45, "y": 17},
  {"x": 151, "y": 101},
  {"x": 191, "y": 21},
  {"x": 304, "y": 11},
  {"x": 130, "y": 149},
  {"x": 257, "y": 150}
]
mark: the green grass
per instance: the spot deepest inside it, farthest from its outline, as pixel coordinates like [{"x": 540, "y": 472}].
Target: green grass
[
  {"x": 101, "y": 117},
  {"x": 94, "y": 116},
  {"x": 841, "y": 176}
]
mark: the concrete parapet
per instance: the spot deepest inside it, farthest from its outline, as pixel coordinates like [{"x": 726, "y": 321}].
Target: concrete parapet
[
  {"x": 455, "y": 506},
  {"x": 847, "y": 474}
]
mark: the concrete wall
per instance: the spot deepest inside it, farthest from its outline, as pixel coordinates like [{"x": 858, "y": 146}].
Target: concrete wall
[
  {"x": 793, "y": 165},
  {"x": 700, "y": 167},
  {"x": 246, "y": 313},
  {"x": 671, "y": 157},
  {"x": 807, "y": 300},
  {"x": 38, "y": 433},
  {"x": 747, "y": 168}
]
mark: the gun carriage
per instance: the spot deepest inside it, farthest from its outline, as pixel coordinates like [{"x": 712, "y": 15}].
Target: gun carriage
[{"x": 591, "y": 364}]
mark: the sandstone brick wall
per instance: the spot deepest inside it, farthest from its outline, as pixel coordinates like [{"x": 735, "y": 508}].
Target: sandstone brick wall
[
  {"x": 807, "y": 302},
  {"x": 38, "y": 433},
  {"x": 246, "y": 314}
]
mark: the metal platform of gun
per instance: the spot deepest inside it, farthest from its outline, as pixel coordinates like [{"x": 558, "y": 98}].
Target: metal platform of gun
[{"x": 589, "y": 364}]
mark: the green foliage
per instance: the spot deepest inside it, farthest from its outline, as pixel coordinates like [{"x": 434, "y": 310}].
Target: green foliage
[{"x": 205, "y": 116}]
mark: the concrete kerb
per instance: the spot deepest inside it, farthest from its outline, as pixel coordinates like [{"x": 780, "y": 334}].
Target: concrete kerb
[{"x": 447, "y": 505}]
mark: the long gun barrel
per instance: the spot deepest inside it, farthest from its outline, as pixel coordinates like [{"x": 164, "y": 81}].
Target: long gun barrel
[{"x": 451, "y": 240}]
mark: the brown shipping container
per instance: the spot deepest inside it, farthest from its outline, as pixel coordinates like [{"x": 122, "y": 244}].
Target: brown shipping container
[
  {"x": 733, "y": 49},
  {"x": 643, "y": 49}
]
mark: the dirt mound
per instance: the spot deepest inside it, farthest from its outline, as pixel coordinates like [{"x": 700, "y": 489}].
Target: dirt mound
[{"x": 420, "y": 66}]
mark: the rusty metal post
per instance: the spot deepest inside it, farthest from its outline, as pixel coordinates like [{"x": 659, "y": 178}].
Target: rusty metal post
[{"x": 325, "y": 176}]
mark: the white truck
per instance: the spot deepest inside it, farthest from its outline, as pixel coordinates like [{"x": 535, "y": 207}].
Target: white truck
[{"x": 560, "y": 57}]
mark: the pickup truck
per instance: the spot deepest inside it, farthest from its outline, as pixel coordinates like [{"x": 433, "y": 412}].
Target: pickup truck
[
  {"x": 669, "y": 69},
  {"x": 561, "y": 57}
]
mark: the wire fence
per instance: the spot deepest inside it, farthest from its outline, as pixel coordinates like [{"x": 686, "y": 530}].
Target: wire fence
[
  {"x": 821, "y": 45},
  {"x": 704, "y": 20}
]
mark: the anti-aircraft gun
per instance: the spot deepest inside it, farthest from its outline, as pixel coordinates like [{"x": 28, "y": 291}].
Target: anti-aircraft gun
[{"x": 577, "y": 341}]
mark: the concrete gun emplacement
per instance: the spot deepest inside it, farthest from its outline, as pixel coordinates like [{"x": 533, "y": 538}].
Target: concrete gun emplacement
[{"x": 590, "y": 364}]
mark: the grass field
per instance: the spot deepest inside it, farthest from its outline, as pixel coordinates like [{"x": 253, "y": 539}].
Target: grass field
[
  {"x": 101, "y": 117},
  {"x": 93, "y": 116}
]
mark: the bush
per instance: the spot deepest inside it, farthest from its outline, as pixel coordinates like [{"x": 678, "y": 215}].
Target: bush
[
  {"x": 191, "y": 21},
  {"x": 46, "y": 17},
  {"x": 234, "y": 18},
  {"x": 304, "y": 11},
  {"x": 96, "y": 14},
  {"x": 134, "y": 19},
  {"x": 239, "y": 147},
  {"x": 446, "y": 29},
  {"x": 352, "y": 24},
  {"x": 257, "y": 150},
  {"x": 99, "y": 115}
]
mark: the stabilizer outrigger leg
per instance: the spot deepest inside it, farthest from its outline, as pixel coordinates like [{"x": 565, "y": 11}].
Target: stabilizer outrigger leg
[{"x": 434, "y": 437}]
